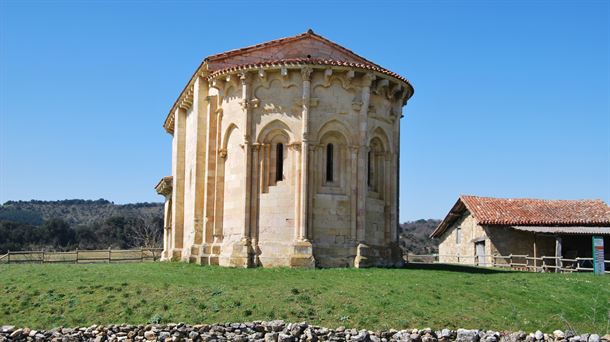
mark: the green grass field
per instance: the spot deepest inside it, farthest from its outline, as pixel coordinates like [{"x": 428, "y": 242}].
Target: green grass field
[{"x": 45, "y": 296}]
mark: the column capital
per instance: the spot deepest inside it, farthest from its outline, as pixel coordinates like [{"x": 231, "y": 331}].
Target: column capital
[
  {"x": 306, "y": 73},
  {"x": 244, "y": 77},
  {"x": 368, "y": 79},
  {"x": 222, "y": 153}
]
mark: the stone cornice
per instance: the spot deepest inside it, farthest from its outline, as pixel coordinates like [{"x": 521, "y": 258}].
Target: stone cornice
[
  {"x": 400, "y": 85},
  {"x": 185, "y": 99}
]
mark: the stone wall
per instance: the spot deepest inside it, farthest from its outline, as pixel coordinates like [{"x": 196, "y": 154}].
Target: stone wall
[
  {"x": 449, "y": 246},
  {"x": 498, "y": 240},
  {"x": 231, "y": 208},
  {"x": 279, "y": 331}
]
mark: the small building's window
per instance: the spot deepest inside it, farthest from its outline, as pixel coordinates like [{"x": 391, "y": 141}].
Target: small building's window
[
  {"x": 329, "y": 162},
  {"x": 458, "y": 235},
  {"x": 279, "y": 162}
]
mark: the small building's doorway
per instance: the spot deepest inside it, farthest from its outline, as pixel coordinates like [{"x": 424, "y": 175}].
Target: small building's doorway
[{"x": 480, "y": 253}]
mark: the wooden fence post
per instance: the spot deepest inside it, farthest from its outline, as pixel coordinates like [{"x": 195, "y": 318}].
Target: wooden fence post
[
  {"x": 76, "y": 261},
  {"x": 8, "y": 256},
  {"x": 141, "y": 254},
  {"x": 109, "y": 254},
  {"x": 42, "y": 261}
]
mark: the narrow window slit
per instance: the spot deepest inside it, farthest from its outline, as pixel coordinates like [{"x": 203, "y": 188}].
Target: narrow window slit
[
  {"x": 329, "y": 163},
  {"x": 279, "y": 162}
]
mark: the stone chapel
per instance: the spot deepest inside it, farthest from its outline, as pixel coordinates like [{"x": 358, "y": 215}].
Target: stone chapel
[{"x": 285, "y": 153}]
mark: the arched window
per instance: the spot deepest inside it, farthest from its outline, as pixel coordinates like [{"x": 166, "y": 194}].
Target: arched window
[
  {"x": 279, "y": 162},
  {"x": 329, "y": 162}
]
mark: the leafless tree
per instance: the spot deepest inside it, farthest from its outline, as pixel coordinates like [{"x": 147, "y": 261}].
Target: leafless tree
[{"x": 146, "y": 234}]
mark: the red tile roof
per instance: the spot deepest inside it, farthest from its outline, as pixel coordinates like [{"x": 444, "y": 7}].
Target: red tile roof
[
  {"x": 280, "y": 41},
  {"x": 268, "y": 54},
  {"x": 528, "y": 212}
]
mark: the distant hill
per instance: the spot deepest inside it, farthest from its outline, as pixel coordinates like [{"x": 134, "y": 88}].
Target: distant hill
[
  {"x": 101, "y": 223},
  {"x": 414, "y": 236},
  {"x": 75, "y": 211},
  {"x": 76, "y": 223}
]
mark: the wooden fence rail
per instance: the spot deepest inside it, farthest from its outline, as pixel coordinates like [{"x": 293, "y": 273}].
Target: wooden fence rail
[
  {"x": 82, "y": 256},
  {"x": 513, "y": 261}
]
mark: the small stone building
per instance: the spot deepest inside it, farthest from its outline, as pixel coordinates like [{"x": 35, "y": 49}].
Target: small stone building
[
  {"x": 476, "y": 228},
  {"x": 285, "y": 153}
]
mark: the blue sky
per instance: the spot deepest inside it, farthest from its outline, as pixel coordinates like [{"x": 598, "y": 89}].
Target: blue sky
[{"x": 512, "y": 98}]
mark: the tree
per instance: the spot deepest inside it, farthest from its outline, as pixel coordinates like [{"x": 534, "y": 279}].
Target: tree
[
  {"x": 58, "y": 233},
  {"x": 147, "y": 234}
]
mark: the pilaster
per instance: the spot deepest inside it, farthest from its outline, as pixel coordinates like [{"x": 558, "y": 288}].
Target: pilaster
[
  {"x": 200, "y": 141},
  {"x": 178, "y": 154}
]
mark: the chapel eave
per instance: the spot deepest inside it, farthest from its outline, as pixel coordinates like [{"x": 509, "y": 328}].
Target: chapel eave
[
  {"x": 210, "y": 68},
  {"x": 185, "y": 98}
]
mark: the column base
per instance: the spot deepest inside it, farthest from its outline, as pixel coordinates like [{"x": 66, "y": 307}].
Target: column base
[
  {"x": 208, "y": 254},
  {"x": 237, "y": 254},
  {"x": 302, "y": 255},
  {"x": 378, "y": 256},
  {"x": 175, "y": 255}
]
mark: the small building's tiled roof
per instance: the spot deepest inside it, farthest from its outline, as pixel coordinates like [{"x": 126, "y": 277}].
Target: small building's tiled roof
[
  {"x": 533, "y": 212},
  {"x": 528, "y": 212}
]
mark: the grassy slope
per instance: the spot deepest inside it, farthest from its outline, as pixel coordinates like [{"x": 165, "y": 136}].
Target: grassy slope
[{"x": 43, "y": 296}]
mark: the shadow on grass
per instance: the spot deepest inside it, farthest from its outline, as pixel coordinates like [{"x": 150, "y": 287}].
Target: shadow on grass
[{"x": 455, "y": 268}]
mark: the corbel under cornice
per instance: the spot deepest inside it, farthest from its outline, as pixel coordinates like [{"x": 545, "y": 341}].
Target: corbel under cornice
[{"x": 395, "y": 85}]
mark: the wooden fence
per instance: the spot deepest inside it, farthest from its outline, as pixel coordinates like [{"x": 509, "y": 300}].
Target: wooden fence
[
  {"x": 512, "y": 261},
  {"x": 82, "y": 256}
]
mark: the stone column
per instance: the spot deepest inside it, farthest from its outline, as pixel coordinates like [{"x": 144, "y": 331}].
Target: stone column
[
  {"x": 256, "y": 152},
  {"x": 353, "y": 191},
  {"x": 298, "y": 173},
  {"x": 306, "y": 74},
  {"x": 367, "y": 80},
  {"x": 178, "y": 159},
  {"x": 167, "y": 227},
  {"x": 247, "y": 146},
  {"x": 219, "y": 181},
  {"x": 387, "y": 196}
]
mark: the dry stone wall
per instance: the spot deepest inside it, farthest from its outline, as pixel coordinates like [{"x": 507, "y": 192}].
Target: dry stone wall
[{"x": 279, "y": 331}]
